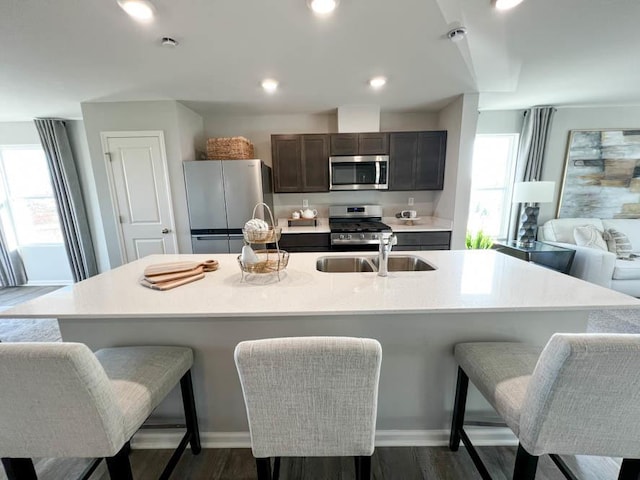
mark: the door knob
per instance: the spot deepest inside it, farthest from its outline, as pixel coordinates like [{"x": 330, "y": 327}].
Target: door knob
[{"x": 165, "y": 230}]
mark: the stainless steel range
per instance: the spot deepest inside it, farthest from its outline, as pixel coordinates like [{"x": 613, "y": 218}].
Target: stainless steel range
[{"x": 356, "y": 227}]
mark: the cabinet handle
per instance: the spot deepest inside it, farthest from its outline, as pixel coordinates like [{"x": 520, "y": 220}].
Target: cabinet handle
[{"x": 165, "y": 230}]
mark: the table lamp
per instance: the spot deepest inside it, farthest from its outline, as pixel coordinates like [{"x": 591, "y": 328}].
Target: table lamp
[{"x": 530, "y": 194}]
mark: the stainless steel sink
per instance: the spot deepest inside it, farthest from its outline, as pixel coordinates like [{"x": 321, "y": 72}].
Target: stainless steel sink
[
  {"x": 406, "y": 264},
  {"x": 403, "y": 263},
  {"x": 344, "y": 264}
]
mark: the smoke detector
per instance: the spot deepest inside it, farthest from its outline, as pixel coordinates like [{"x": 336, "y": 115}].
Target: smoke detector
[
  {"x": 169, "y": 42},
  {"x": 457, "y": 34}
]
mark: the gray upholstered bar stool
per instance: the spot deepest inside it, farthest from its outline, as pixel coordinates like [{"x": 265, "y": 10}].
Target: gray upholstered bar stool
[
  {"x": 310, "y": 397},
  {"x": 578, "y": 396},
  {"x": 62, "y": 400}
]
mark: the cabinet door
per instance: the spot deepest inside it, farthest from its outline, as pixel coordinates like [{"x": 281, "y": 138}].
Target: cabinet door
[
  {"x": 286, "y": 153},
  {"x": 430, "y": 160},
  {"x": 423, "y": 241},
  {"x": 306, "y": 242},
  {"x": 315, "y": 163},
  {"x": 403, "y": 150},
  {"x": 344, "y": 144},
  {"x": 373, "y": 144}
]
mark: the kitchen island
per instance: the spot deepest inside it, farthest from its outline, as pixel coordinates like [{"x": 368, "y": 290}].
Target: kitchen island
[{"x": 416, "y": 316}]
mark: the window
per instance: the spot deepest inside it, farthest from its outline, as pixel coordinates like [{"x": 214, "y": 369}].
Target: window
[
  {"x": 27, "y": 205},
  {"x": 491, "y": 184}
]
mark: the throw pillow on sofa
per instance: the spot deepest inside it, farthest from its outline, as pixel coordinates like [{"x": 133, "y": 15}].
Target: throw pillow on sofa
[
  {"x": 618, "y": 243},
  {"x": 589, "y": 236}
]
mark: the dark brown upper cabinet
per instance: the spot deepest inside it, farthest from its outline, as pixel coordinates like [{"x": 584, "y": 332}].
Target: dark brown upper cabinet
[
  {"x": 300, "y": 163},
  {"x": 359, "y": 144},
  {"x": 416, "y": 160},
  {"x": 315, "y": 163}
]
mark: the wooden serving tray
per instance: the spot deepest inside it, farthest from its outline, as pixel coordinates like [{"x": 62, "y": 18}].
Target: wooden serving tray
[
  {"x": 178, "y": 267},
  {"x": 168, "y": 285},
  {"x": 302, "y": 222},
  {"x": 168, "y": 277}
]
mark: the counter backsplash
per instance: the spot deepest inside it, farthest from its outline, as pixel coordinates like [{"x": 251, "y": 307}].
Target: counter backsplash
[{"x": 392, "y": 202}]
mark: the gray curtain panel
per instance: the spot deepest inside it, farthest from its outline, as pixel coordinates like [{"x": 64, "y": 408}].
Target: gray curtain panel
[
  {"x": 66, "y": 185},
  {"x": 531, "y": 151},
  {"x": 12, "y": 272}
]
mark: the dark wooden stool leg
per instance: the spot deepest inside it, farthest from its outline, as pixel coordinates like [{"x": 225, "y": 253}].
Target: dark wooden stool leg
[
  {"x": 263, "y": 465},
  {"x": 19, "y": 469},
  {"x": 365, "y": 468},
  {"x": 276, "y": 468},
  {"x": 119, "y": 465},
  {"x": 459, "y": 406},
  {"x": 526, "y": 465},
  {"x": 630, "y": 469},
  {"x": 356, "y": 461},
  {"x": 188, "y": 400}
]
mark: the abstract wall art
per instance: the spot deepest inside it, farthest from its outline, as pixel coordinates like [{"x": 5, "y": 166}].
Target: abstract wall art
[{"x": 602, "y": 175}]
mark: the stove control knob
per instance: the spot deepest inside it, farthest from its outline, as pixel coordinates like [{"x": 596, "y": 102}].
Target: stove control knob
[
  {"x": 348, "y": 237},
  {"x": 341, "y": 237},
  {"x": 362, "y": 236},
  {"x": 374, "y": 236}
]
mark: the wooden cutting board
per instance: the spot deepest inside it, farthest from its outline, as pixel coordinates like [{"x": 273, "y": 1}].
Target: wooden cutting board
[
  {"x": 178, "y": 267},
  {"x": 167, "y": 277},
  {"x": 168, "y": 285}
]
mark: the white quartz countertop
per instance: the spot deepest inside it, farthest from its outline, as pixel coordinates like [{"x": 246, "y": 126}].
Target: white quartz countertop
[
  {"x": 423, "y": 224},
  {"x": 464, "y": 281}
]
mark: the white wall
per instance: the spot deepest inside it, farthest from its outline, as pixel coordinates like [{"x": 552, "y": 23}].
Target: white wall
[
  {"x": 139, "y": 116},
  {"x": 500, "y": 121},
  {"x": 18, "y": 133},
  {"x": 191, "y": 131},
  {"x": 259, "y": 128},
  {"x": 460, "y": 119}
]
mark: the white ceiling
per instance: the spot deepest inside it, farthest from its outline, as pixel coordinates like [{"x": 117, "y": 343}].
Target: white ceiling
[{"x": 56, "y": 54}]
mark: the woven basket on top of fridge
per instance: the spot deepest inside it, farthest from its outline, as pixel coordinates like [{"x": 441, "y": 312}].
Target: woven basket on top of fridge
[{"x": 229, "y": 148}]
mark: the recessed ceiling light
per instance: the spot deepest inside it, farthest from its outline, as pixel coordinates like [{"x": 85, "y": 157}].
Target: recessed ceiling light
[
  {"x": 141, "y": 10},
  {"x": 270, "y": 85},
  {"x": 322, "y": 7},
  {"x": 506, "y": 4},
  {"x": 378, "y": 82}
]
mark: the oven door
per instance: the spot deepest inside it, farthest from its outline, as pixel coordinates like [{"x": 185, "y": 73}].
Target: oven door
[{"x": 359, "y": 173}]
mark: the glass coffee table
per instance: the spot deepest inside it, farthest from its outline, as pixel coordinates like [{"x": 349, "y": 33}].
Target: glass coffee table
[{"x": 545, "y": 254}]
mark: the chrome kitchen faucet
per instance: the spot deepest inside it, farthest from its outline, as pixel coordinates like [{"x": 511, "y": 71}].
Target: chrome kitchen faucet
[{"x": 386, "y": 243}]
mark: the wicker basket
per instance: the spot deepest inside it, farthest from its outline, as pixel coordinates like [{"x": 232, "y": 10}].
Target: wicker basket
[
  {"x": 269, "y": 261},
  {"x": 263, "y": 236},
  {"x": 231, "y": 148}
]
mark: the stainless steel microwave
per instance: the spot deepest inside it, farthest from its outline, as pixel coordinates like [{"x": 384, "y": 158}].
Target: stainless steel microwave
[{"x": 363, "y": 172}]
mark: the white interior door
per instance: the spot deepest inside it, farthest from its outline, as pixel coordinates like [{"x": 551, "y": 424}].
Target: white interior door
[{"x": 137, "y": 168}]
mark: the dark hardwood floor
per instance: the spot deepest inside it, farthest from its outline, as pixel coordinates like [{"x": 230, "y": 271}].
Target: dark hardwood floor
[
  {"x": 389, "y": 463},
  {"x": 10, "y": 296}
]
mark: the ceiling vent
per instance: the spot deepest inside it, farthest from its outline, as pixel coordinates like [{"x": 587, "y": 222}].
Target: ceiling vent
[{"x": 457, "y": 34}]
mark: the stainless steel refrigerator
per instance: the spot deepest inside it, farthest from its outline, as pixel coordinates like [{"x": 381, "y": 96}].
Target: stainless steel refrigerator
[{"x": 221, "y": 195}]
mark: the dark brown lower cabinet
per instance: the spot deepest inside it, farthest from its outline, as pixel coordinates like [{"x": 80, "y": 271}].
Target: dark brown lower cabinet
[
  {"x": 321, "y": 242},
  {"x": 423, "y": 241},
  {"x": 305, "y": 242}
]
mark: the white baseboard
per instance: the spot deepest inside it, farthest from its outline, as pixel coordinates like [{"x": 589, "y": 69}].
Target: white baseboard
[{"x": 480, "y": 436}]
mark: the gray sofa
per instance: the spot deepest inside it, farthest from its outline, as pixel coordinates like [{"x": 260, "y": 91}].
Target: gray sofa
[{"x": 595, "y": 265}]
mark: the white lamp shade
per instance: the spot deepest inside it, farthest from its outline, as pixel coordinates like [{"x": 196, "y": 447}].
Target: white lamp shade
[{"x": 533, "y": 192}]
